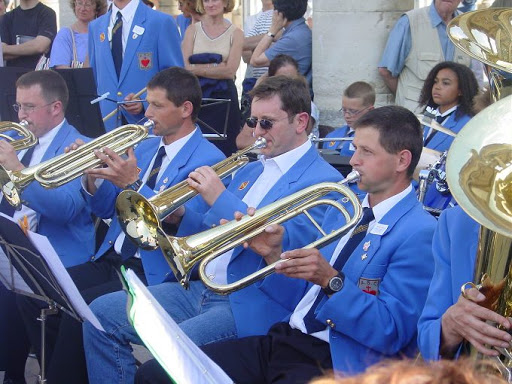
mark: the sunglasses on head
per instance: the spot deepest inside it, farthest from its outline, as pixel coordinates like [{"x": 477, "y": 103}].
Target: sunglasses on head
[{"x": 265, "y": 124}]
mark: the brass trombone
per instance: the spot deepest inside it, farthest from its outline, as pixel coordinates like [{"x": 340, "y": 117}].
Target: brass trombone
[
  {"x": 66, "y": 167},
  {"x": 28, "y": 139},
  {"x": 183, "y": 253},
  {"x": 140, "y": 217}
]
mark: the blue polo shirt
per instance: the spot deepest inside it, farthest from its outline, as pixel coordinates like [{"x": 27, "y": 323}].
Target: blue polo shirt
[
  {"x": 297, "y": 43},
  {"x": 399, "y": 42}
]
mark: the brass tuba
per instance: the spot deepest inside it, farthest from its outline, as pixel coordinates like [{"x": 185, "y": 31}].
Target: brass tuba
[
  {"x": 479, "y": 164},
  {"x": 68, "y": 166},
  {"x": 27, "y": 139},
  {"x": 183, "y": 253},
  {"x": 140, "y": 217}
]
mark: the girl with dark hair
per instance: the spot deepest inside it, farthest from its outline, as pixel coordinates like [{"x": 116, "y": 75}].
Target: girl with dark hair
[{"x": 447, "y": 95}]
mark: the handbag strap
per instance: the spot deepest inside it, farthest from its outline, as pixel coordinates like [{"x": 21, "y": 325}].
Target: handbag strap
[{"x": 75, "y": 59}]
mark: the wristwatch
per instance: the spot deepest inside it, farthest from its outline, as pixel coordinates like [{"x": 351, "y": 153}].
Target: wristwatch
[
  {"x": 335, "y": 284},
  {"x": 135, "y": 185},
  {"x": 270, "y": 34}
]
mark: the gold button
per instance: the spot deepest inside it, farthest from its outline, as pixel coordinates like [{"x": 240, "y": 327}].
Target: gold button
[
  {"x": 110, "y": 242},
  {"x": 119, "y": 93},
  {"x": 330, "y": 323}
]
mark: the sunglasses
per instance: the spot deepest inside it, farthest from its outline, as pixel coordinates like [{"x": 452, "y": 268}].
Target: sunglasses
[{"x": 265, "y": 124}]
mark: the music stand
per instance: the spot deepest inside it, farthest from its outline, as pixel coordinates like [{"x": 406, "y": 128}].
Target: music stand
[
  {"x": 207, "y": 115},
  {"x": 23, "y": 270},
  {"x": 80, "y": 113}
]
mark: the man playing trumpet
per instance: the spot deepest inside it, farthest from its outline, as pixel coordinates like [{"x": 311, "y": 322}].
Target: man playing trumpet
[
  {"x": 280, "y": 114},
  {"x": 367, "y": 290},
  {"x": 174, "y": 99}
]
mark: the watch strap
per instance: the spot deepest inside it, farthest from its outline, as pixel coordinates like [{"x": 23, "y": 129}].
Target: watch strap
[
  {"x": 328, "y": 290},
  {"x": 135, "y": 185}
]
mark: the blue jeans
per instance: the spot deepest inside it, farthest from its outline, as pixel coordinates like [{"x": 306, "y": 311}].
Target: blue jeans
[{"x": 204, "y": 316}]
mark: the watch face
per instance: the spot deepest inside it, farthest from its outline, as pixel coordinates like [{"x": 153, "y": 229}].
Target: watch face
[{"x": 336, "y": 283}]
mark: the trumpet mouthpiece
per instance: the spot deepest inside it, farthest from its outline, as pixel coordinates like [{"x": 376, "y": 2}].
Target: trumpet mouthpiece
[
  {"x": 149, "y": 124},
  {"x": 352, "y": 177},
  {"x": 260, "y": 142}
]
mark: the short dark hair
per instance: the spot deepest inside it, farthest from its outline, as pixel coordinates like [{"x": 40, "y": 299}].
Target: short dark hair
[
  {"x": 398, "y": 128},
  {"x": 281, "y": 61},
  {"x": 468, "y": 86},
  {"x": 180, "y": 86},
  {"x": 361, "y": 90},
  {"x": 291, "y": 9},
  {"x": 53, "y": 86},
  {"x": 293, "y": 92}
]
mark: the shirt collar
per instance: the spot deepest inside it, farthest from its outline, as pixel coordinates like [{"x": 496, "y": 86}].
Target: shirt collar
[
  {"x": 446, "y": 113},
  {"x": 381, "y": 209},
  {"x": 286, "y": 160},
  {"x": 127, "y": 12},
  {"x": 45, "y": 140},
  {"x": 435, "y": 19},
  {"x": 293, "y": 24},
  {"x": 173, "y": 148}
]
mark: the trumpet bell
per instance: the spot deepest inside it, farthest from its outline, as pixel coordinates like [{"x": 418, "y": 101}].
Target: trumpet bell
[
  {"x": 479, "y": 167},
  {"x": 27, "y": 138},
  {"x": 9, "y": 189}
]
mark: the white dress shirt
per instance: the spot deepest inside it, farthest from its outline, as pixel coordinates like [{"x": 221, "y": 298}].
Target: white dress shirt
[{"x": 128, "y": 13}]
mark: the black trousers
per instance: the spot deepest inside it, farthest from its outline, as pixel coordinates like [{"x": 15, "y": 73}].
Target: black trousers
[
  {"x": 65, "y": 358},
  {"x": 283, "y": 356}
]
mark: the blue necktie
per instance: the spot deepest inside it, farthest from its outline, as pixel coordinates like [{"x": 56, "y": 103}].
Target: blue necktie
[
  {"x": 128, "y": 248},
  {"x": 5, "y": 207},
  {"x": 310, "y": 321},
  {"x": 151, "y": 181},
  {"x": 117, "y": 43}
]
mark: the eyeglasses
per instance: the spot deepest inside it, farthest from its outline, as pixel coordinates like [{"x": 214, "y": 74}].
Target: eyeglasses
[
  {"x": 28, "y": 109},
  {"x": 265, "y": 124},
  {"x": 83, "y": 5},
  {"x": 353, "y": 112}
]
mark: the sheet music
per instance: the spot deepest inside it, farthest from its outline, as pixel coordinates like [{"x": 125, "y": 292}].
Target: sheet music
[
  {"x": 46, "y": 249},
  {"x": 167, "y": 342}
]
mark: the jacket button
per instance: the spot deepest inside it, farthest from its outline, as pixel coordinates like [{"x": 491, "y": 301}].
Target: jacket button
[
  {"x": 110, "y": 242},
  {"x": 213, "y": 225},
  {"x": 119, "y": 93},
  {"x": 93, "y": 258},
  {"x": 330, "y": 323}
]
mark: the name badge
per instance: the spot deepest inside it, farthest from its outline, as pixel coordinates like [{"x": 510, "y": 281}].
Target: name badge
[
  {"x": 138, "y": 30},
  {"x": 379, "y": 229}
]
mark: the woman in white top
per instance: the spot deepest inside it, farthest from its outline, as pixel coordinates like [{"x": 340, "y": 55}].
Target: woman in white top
[{"x": 216, "y": 35}]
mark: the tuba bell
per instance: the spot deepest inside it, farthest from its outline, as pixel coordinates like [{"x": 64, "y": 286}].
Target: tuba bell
[
  {"x": 27, "y": 138},
  {"x": 183, "y": 253},
  {"x": 140, "y": 217},
  {"x": 68, "y": 166},
  {"x": 479, "y": 164}
]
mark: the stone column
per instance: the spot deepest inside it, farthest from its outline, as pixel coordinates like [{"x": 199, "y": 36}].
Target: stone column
[{"x": 348, "y": 39}]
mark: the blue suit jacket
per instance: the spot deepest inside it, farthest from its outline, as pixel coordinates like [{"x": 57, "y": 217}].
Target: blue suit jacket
[
  {"x": 455, "y": 246},
  {"x": 441, "y": 141},
  {"x": 342, "y": 146},
  {"x": 257, "y": 307},
  {"x": 195, "y": 153},
  {"x": 62, "y": 213},
  {"x": 158, "y": 47},
  {"x": 365, "y": 327}
]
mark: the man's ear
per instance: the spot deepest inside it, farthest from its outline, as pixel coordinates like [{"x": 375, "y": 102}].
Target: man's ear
[
  {"x": 303, "y": 120},
  {"x": 187, "y": 109},
  {"x": 404, "y": 160}
]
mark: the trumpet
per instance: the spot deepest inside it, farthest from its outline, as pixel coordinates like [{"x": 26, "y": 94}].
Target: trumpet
[
  {"x": 140, "y": 217},
  {"x": 28, "y": 139},
  {"x": 66, "y": 167},
  {"x": 183, "y": 253}
]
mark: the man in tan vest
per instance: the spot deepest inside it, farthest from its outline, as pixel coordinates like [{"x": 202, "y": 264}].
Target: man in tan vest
[{"x": 418, "y": 42}]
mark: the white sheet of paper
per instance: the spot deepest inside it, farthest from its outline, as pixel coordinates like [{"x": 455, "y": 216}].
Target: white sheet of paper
[
  {"x": 46, "y": 249},
  {"x": 168, "y": 343}
]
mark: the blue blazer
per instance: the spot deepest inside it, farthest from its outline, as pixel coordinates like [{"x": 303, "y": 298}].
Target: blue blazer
[
  {"x": 342, "y": 146},
  {"x": 366, "y": 327},
  {"x": 157, "y": 48},
  {"x": 195, "y": 153},
  {"x": 62, "y": 213},
  {"x": 257, "y": 307},
  {"x": 454, "y": 247},
  {"x": 441, "y": 141}
]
